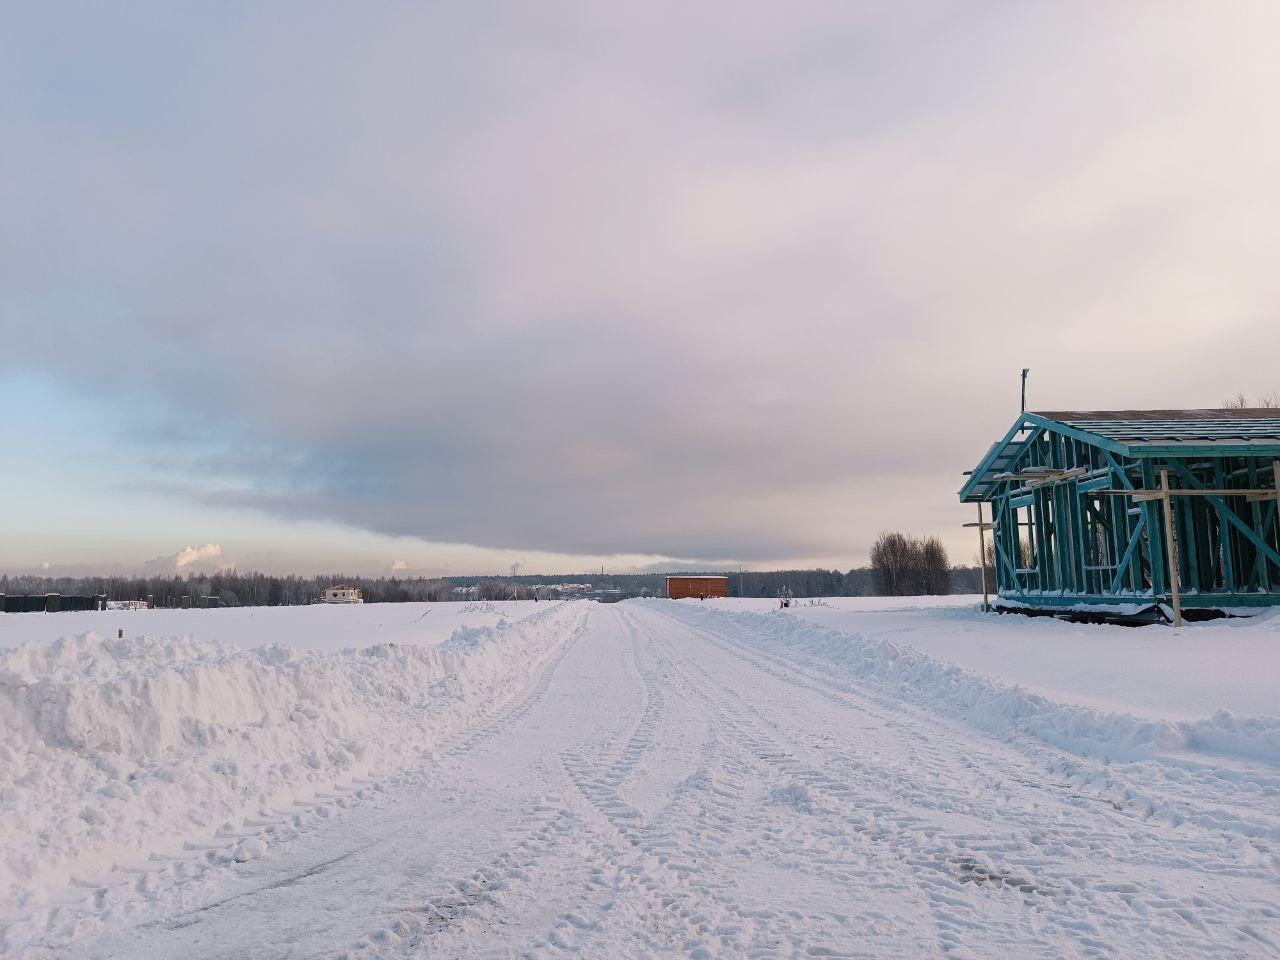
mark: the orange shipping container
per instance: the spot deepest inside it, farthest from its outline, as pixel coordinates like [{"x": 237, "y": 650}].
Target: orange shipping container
[{"x": 697, "y": 587}]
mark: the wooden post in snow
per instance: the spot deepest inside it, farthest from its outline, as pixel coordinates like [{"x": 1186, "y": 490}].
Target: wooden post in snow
[
  {"x": 982, "y": 555},
  {"x": 1169, "y": 547},
  {"x": 982, "y": 552}
]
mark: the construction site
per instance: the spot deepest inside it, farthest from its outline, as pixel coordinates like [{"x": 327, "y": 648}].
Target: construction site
[{"x": 1132, "y": 514}]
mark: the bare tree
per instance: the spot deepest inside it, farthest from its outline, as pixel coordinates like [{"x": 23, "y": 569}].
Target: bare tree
[
  {"x": 890, "y": 560},
  {"x": 989, "y": 555},
  {"x": 907, "y": 566},
  {"x": 935, "y": 568},
  {"x": 1240, "y": 402}
]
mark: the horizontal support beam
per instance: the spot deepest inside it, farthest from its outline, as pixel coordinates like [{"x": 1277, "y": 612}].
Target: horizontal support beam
[
  {"x": 1197, "y": 601},
  {"x": 1139, "y": 495},
  {"x": 1227, "y": 492},
  {"x": 1143, "y": 495}
]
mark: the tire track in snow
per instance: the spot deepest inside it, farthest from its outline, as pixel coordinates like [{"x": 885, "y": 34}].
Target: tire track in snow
[
  {"x": 506, "y": 720},
  {"x": 508, "y": 891},
  {"x": 1206, "y": 793},
  {"x": 1083, "y": 931},
  {"x": 682, "y": 855},
  {"x": 1066, "y": 772},
  {"x": 601, "y": 838},
  {"x": 774, "y": 760},
  {"x": 507, "y": 878},
  {"x": 544, "y": 824},
  {"x": 1074, "y": 830},
  {"x": 940, "y": 868},
  {"x": 643, "y": 857}
]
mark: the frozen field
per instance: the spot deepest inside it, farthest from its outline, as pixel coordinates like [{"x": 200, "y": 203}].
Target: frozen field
[
  {"x": 1182, "y": 674},
  {"x": 321, "y": 626},
  {"x": 861, "y": 778}
]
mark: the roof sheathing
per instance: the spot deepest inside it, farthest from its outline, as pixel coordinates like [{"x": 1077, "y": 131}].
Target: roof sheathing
[
  {"x": 1141, "y": 434},
  {"x": 1146, "y": 431}
]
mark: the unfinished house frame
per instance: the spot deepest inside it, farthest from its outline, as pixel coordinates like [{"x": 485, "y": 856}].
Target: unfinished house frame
[{"x": 1137, "y": 514}]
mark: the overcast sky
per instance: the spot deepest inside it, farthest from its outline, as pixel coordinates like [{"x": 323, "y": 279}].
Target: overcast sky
[{"x": 451, "y": 287}]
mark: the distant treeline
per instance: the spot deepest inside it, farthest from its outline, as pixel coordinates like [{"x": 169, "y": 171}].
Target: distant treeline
[{"x": 259, "y": 589}]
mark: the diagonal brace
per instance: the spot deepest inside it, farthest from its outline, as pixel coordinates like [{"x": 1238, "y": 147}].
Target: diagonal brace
[{"x": 1229, "y": 515}]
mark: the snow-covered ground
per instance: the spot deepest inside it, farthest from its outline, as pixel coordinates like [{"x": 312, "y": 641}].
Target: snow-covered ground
[
  {"x": 114, "y": 750},
  {"x": 1153, "y": 671},
  {"x": 321, "y": 626},
  {"x": 650, "y": 779}
]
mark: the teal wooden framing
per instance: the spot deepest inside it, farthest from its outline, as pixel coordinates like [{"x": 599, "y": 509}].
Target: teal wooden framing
[
  {"x": 1063, "y": 540},
  {"x": 1230, "y": 516}
]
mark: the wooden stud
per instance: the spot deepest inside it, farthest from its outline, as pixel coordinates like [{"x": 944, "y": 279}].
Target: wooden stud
[
  {"x": 1192, "y": 552},
  {"x": 1170, "y": 549},
  {"x": 1275, "y": 468},
  {"x": 1255, "y": 513},
  {"x": 1225, "y": 538},
  {"x": 1155, "y": 532}
]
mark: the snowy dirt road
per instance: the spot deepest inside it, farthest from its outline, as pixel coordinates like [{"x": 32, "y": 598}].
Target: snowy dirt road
[{"x": 673, "y": 785}]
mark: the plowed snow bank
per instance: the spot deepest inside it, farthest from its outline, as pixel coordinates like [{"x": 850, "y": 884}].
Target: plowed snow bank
[
  {"x": 989, "y": 704},
  {"x": 114, "y": 749}
]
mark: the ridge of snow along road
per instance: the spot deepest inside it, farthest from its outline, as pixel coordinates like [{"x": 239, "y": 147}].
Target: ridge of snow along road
[
  {"x": 114, "y": 750},
  {"x": 990, "y": 705}
]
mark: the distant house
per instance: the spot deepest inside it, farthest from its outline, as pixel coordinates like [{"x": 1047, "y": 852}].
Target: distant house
[
  {"x": 343, "y": 593},
  {"x": 563, "y": 591},
  {"x": 679, "y": 588}
]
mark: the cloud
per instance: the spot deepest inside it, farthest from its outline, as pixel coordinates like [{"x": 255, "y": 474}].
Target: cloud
[
  {"x": 753, "y": 288},
  {"x": 193, "y": 556},
  {"x": 206, "y": 558},
  {"x": 398, "y": 565}
]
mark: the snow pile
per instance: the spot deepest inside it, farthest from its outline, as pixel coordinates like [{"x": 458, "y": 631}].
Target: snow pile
[
  {"x": 906, "y": 674},
  {"x": 797, "y": 796},
  {"x": 115, "y": 749},
  {"x": 1158, "y": 672}
]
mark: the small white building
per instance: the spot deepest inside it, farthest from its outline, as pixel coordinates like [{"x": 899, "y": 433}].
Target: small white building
[{"x": 343, "y": 593}]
